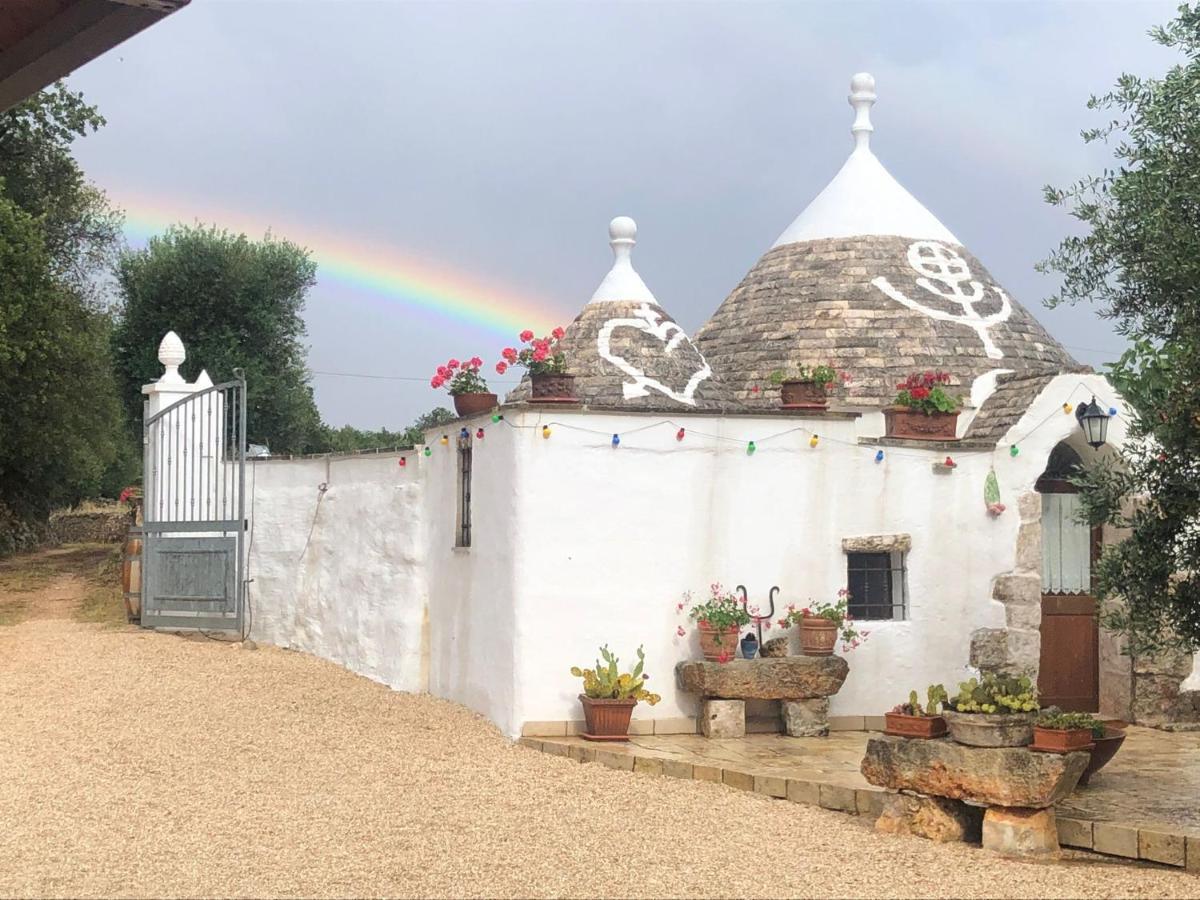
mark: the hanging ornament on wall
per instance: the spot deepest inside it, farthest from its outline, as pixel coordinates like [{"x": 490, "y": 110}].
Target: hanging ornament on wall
[
  {"x": 750, "y": 448},
  {"x": 991, "y": 494},
  {"x": 814, "y": 440},
  {"x": 545, "y": 431}
]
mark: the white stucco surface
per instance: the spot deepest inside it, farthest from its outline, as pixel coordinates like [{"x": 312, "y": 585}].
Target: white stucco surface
[{"x": 356, "y": 591}]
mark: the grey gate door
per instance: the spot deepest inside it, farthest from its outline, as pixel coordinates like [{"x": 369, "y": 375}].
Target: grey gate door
[{"x": 194, "y": 512}]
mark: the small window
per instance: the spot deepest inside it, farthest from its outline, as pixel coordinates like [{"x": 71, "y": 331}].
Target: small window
[
  {"x": 876, "y": 582},
  {"x": 462, "y": 535}
]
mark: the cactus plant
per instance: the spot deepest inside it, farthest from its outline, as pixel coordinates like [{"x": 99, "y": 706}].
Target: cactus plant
[
  {"x": 935, "y": 697},
  {"x": 607, "y": 682},
  {"x": 996, "y": 694}
]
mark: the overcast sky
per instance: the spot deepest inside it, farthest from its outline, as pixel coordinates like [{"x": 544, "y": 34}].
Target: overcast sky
[{"x": 496, "y": 140}]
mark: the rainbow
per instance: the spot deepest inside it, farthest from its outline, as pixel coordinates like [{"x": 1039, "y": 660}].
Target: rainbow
[{"x": 361, "y": 264}]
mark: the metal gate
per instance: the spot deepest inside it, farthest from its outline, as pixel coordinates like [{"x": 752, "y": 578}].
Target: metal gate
[{"x": 194, "y": 511}]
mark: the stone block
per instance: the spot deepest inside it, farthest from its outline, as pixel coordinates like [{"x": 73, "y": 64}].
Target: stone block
[
  {"x": 681, "y": 725},
  {"x": 992, "y": 776},
  {"x": 847, "y": 723},
  {"x": 648, "y": 765},
  {"x": 936, "y": 818},
  {"x": 1019, "y": 617},
  {"x": 723, "y": 718},
  {"x": 877, "y": 543},
  {"x": 531, "y": 743},
  {"x": 1029, "y": 506},
  {"x": 1021, "y": 590},
  {"x": 615, "y": 760},
  {"x": 707, "y": 773},
  {"x": 782, "y": 678},
  {"x": 581, "y": 753},
  {"x": 806, "y": 792},
  {"x": 1021, "y": 833},
  {"x": 1161, "y": 847},
  {"x": 771, "y": 785},
  {"x": 874, "y": 723},
  {"x": 1192, "y": 863},
  {"x": 553, "y": 748},
  {"x": 1075, "y": 833},
  {"x": 869, "y": 803},
  {"x": 805, "y": 718},
  {"x": 743, "y": 781},
  {"x": 1029, "y": 548},
  {"x": 842, "y": 799},
  {"x": 989, "y": 649},
  {"x": 674, "y": 768},
  {"x": 1115, "y": 840}
]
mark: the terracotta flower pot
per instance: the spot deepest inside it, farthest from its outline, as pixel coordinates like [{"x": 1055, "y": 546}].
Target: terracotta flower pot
[
  {"x": 716, "y": 643},
  {"x": 473, "y": 404},
  {"x": 818, "y": 636},
  {"x": 606, "y": 720},
  {"x": 1061, "y": 740},
  {"x": 903, "y": 422},
  {"x": 906, "y": 726},
  {"x": 552, "y": 387},
  {"x": 803, "y": 395},
  {"x": 990, "y": 729},
  {"x": 1104, "y": 750}
]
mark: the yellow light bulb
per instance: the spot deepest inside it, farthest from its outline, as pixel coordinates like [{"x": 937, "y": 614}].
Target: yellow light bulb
[
  {"x": 812, "y": 441},
  {"x": 545, "y": 431},
  {"x": 1067, "y": 408}
]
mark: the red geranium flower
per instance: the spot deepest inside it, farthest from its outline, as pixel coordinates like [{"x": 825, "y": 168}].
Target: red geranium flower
[
  {"x": 558, "y": 334},
  {"x": 453, "y": 364},
  {"x": 501, "y": 367},
  {"x": 510, "y": 354},
  {"x": 526, "y": 336}
]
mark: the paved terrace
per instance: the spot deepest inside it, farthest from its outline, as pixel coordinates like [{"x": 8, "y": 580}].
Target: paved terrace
[{"x": 1145, "y": 804}]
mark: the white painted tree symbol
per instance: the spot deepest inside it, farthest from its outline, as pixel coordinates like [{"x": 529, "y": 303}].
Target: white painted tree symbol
[{"x": 936, "y": 261}]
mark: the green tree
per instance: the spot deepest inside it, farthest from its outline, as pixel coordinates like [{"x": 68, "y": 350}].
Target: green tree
[
  {"x": 1138, "y": 260},
  {"x": 236, "y": 303},
  {"x": 348, "y": 439},
  {"x": 60, "y": 424}
]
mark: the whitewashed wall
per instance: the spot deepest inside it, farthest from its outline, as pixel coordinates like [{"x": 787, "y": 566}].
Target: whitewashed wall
[
  {"x": 357, "y": 594},
  {"x": 610, "y": 538}
]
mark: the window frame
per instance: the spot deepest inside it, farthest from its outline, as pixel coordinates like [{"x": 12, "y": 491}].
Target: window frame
[
  {"x": 897, "y": 585},
  {"x": 462, "y": 525}
]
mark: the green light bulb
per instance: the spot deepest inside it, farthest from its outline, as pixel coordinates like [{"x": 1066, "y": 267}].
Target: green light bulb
[
  {"x": 1014, "y": 450},
  {"x": 750, "y": 448}
]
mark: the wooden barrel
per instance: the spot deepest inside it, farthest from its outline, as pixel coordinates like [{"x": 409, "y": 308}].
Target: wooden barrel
[{"x": 131, "y": 573}]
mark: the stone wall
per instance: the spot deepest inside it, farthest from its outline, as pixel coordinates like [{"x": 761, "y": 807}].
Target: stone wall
[
  {"x": 1015, "y": 649},
  {"x": 107, "y": 526},
  {"x": 1158, "y": 697}
]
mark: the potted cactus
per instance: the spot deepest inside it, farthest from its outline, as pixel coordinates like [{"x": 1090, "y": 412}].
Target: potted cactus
[
  {"x": 610, "y": 695},
  {"x": 993, "y": 711},
  {"x": 1063, "y": 732},
  {"x": 912, "y": 720}
]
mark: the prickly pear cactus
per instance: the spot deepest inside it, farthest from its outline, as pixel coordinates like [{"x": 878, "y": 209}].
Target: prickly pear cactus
[{"x": 991, "y": 494}]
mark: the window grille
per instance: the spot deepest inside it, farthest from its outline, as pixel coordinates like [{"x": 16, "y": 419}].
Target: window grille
[
  {"x": 462, "y": 536},
  {"x": 877, "y": 585}
]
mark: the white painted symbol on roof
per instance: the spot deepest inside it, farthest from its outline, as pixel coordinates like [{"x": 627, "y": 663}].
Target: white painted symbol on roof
[
  {"x": 646, "y": 319},
  {"x": 933, "y": 260}
]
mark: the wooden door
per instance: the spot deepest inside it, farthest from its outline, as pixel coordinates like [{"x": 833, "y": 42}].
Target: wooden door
[{"x": 1069, "y": 669}]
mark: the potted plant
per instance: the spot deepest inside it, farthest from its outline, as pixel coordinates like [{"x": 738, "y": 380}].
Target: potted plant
[
  {"x": 912, "y": 720},
  {"x": 546, "y": 365},
  {"x": 718, "y": 620},
  {"x": 749, "y": 645},
  {"x": 610, "y": 695},
  {"x": 1063, "y": 732},
  {"x": 463, "y": 382},
  {"x": 822, "y": 624},
  {"x": 922, "y": 410},
  {"x": 806, "y": 387},
  {"x": 993, "y": 711}
]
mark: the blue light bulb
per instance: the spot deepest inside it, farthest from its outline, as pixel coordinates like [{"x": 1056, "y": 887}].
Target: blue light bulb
[{"x": 616, "y": 440}]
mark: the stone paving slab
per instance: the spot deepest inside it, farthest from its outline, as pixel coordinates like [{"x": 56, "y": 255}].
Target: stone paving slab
[{"x": 1145, "y": 804}]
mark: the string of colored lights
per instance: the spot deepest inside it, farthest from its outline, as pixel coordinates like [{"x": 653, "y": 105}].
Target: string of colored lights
[{"x": 751, "y": 446}]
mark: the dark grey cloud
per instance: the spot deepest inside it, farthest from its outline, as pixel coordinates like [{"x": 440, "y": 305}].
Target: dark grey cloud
[{"x": 498, "y": 139}]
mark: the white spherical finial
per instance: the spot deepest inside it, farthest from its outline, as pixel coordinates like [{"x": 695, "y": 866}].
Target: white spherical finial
[
  {"x": 862, "y": 98},
  {"x": 171, "y": 354},
  {"x": 622, "y": 229}
]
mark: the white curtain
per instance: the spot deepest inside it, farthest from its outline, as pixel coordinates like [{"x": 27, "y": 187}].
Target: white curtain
[{"x": 1066, "y": 546}]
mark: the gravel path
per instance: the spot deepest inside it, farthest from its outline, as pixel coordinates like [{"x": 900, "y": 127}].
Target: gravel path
[{"x": 141, "y": 764}]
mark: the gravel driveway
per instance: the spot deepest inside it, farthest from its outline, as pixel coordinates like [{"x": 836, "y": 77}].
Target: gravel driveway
[{"x": 140, "y": 764}]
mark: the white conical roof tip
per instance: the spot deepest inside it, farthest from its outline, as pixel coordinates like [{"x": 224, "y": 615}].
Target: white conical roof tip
[
  {"x": 622, "y": 282},
  {"x": 862, "y": 98}
]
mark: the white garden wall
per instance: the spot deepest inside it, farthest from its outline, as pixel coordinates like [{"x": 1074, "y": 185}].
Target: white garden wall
[{"x": 343, "y": 574}]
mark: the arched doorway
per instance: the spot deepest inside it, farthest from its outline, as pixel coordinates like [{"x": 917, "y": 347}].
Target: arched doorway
[{"x": 1069, "y": 669}]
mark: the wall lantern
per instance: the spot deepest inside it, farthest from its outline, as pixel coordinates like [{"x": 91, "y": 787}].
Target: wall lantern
[{"x": 1094, "y": 422}]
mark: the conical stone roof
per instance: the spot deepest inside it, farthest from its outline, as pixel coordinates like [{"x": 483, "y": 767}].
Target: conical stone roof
[
  {"x": 869, "y": 281},
  {"x": 625, "y": 350}
]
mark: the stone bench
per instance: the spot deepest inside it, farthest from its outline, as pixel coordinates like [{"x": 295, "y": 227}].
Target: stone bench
[
  {"x": 939, "y": 787},
  {"x": 802, "y": 684}
]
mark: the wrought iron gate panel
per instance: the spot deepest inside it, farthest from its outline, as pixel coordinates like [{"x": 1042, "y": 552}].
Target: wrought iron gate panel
[{"x": 194, "y": 511}]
